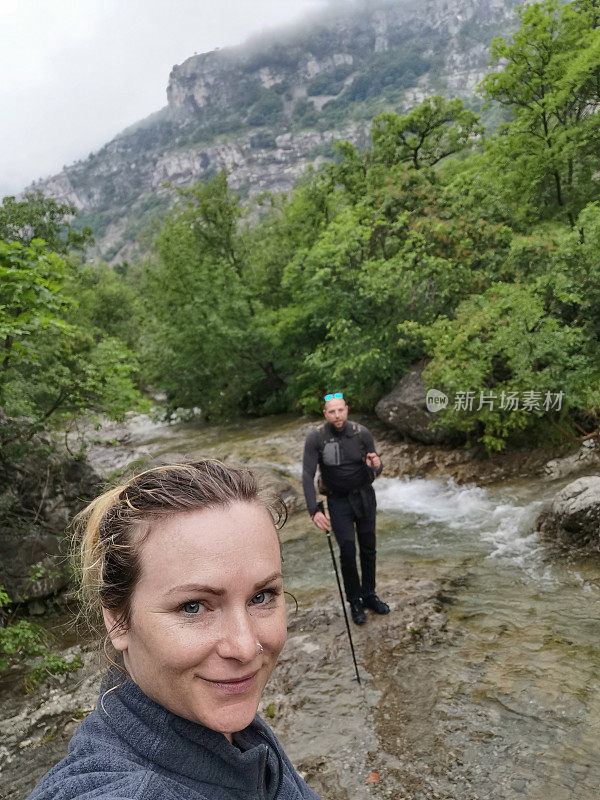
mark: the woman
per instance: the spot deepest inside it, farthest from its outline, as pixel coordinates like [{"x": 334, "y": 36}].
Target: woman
[{"x": 183, "y": 563}]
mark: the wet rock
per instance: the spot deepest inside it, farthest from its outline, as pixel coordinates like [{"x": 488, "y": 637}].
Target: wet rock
[
  {"x": 574, "y": 515},
  {"x": 407, "y": 459},
  {"x": 36, "y": 608},
  {"x": 35, "y": 729},
  {"x": 405, "y": 410},
  {"x": 281, "y": 484},
  {"x": 33, "y": 562},
  {"x": 586, "y": 458}
]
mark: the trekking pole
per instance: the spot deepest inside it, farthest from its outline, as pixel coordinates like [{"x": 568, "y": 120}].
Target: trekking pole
[{"x": 337, "y": 577}]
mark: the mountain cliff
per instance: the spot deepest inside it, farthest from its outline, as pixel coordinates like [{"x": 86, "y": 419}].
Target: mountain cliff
[{"x": 266, "y": 109}]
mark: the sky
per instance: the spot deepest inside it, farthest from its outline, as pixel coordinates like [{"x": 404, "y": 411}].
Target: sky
[{"x": 73, "y": 73}]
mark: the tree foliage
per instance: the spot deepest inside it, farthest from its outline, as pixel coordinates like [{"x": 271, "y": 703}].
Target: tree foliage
[
  {"x": 509, "y": 349},
  {"x": 49, "y": 365},
  {"x": 434, "y": 130},
  {"x": 549, "y": 76},
  {"x": 202, "y": 343},
  {"x": 53, "y": 364},
  {"x": 477, "y": 253},
  {"x": 39, "y": 217}
]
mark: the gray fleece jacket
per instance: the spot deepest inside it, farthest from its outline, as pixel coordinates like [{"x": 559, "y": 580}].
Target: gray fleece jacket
[{"x": 131, "y": 748}]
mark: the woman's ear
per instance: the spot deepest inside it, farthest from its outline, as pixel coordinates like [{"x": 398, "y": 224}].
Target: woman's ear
[{"x": 117, "y": 629}]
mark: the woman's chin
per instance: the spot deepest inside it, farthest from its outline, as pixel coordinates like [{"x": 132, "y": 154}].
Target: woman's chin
[
  {"x": 229, "y": 717},
  {"x": 230, "y": 723}
]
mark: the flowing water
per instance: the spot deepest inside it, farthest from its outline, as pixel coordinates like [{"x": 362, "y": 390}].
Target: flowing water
[
  {"x": 515, "y": 687},
  {"x": 520, "y": 682}
]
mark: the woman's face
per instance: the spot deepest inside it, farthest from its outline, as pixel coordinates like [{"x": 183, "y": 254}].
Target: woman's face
[{"x": 210, "y": 590}]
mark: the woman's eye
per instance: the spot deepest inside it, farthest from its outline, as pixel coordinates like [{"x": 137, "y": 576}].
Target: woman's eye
[
  {"x": 263, "y": 597},
  {"x": 193, "y": 607}
]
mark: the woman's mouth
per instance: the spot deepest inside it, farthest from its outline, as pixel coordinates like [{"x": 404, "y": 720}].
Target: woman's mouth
[{"x": 234, "y": 686}]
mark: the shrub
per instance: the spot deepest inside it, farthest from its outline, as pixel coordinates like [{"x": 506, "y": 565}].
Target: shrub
[
  {"x": 266, "y": 110},
  {"x": 502, "y": 343},
  {"x": 306, "y": 114}
]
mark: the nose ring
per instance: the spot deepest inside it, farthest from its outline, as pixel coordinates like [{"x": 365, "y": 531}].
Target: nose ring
[{"x": 260, "y": 647}]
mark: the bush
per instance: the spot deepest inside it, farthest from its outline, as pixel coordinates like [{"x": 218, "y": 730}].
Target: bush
[
  {"x": 387, "y": 69},
  {"x": 306, "y": 114},
  {"x": 330, "y": 82},
  {"x": 26, "y": 639},
  {"x": 505, "y": 343},
  {"x": 51, "y": 664},
  {"x": 263, "y": 141},
  {"x": 266, "y": 110}
]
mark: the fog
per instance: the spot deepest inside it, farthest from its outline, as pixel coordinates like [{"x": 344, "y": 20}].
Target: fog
[{"x": 76, "y": 72}]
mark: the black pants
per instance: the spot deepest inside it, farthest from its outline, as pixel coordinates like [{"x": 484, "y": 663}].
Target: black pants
[{"x": 346, "y": 513}]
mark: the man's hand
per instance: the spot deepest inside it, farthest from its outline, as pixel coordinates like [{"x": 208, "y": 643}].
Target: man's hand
[
  {"x": 321, "y": 521},
  {"x": 373, "y": 460}
]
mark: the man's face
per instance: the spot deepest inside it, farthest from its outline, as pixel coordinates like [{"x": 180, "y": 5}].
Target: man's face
[{"x": 336, "y": 412}]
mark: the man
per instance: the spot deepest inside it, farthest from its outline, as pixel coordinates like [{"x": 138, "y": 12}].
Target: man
[{"x": 348, "y": 464}]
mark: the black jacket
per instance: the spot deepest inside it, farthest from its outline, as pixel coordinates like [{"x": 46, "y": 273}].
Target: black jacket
[{"x": 351, "y": 472}]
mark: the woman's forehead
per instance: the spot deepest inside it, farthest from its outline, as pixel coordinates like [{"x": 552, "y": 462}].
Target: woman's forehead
[{"x": 240, "y": 538}]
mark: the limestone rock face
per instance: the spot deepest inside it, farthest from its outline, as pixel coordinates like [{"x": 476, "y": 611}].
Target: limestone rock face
[
  {"x": 213, "y": 79},
  {"x": 255, "y": 110},
  {"x": 404, "y": 409},
  {"x": 574, "y": 515}
]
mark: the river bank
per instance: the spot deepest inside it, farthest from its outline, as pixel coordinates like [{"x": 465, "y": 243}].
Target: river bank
[{"x": 140, "y": 439}]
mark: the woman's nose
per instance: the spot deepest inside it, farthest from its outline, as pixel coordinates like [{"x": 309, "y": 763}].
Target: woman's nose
[{"x": 237, "y": 637}]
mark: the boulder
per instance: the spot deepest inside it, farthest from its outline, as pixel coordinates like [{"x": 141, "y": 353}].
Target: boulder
[
  {"x": 574, "y": 515},
  {"x": 281, "y": 484},
  {"x": 34, "y": 562},
  {"x": 405, "y": 410},
  {"x": 587, "y": 458}
]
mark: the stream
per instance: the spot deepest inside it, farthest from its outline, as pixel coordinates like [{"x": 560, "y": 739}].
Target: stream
[{"x": 500, "y": 699}]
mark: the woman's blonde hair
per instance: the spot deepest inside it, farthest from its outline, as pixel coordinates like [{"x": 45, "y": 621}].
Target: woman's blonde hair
[{"x": 109, "y": 532}]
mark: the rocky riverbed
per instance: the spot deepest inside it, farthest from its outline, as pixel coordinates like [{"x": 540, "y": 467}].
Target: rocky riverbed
[{"x": 278, "y": 441}]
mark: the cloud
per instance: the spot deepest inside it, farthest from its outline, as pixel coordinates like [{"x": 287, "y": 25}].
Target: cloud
[{"x": 76, "y": 72}]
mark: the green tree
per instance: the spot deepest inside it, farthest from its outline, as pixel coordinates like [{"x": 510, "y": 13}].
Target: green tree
[
  {"x": 48, "y": 364},
  {"x": 549, "y": 77},
  {"x": 576, "y": 261},
  {"x": 389, "y": 247},
  {"x": 31, "y": 301},
  {"x": 434, "y": 130},
  {"x": 39, "y": 217},
  {"x": 108, "y": 301},
  {"x": 202, "y": 343},
  {"x": 510, "y": 342}
]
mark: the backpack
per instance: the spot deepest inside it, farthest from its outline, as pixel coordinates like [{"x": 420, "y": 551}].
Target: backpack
[{"x": 329, "y": 451}]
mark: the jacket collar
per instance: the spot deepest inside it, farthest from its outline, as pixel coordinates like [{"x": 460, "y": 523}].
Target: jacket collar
[{"x": 190, "y": 749}]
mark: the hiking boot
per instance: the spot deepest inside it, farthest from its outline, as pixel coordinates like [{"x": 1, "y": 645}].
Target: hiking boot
[
  {"x": 357, "y": 611},
  {"x": 375, "y": 604}
]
